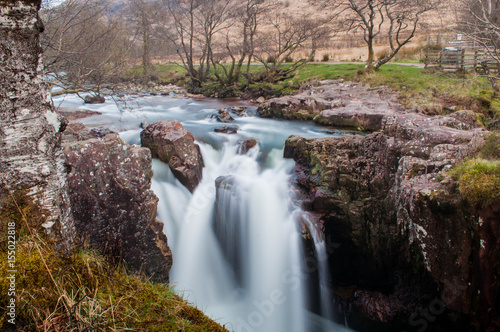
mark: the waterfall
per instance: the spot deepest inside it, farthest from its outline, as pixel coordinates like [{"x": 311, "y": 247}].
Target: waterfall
[
  {"x": 321, "y": 261},
  {"x": 236, "y": 240},
  {"x": 237, "y": 248}
]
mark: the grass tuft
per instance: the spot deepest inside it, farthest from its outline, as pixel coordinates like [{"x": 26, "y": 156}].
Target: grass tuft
[{"x": 479, "y": 181}]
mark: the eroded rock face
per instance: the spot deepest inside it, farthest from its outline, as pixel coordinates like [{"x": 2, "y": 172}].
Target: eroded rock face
[
  {"x": 403, "y": 229},
  {"x": 113, "y": 204},
  {"x": 174, "y": 145}
]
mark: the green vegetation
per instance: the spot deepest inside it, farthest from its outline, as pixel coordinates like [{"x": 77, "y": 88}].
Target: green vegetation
[
  {"x": 435, "y": 92},
  {"x": 479, "y": 178},
  {"x": 479, "y": 181},
  {"x": 82, "y": 291}
]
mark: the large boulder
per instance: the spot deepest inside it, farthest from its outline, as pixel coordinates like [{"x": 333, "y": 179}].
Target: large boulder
[
  {"x": 170, "y": 142},
  {"x": 113, "y": 205}
]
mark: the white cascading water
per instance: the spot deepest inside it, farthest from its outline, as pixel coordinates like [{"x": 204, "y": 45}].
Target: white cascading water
[
  {"x": 236, "y": 246},
  {"x": 236, "y": 242}
]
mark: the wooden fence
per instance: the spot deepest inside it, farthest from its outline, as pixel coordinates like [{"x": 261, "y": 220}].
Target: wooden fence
[
  {"x": 456, "y": 52},
  {"x": 463, "y": 58}
]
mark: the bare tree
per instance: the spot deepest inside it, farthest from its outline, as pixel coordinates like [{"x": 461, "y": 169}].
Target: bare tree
[
  {"x": 287, "y": 35},
  {"x": 84, "y": 48},
  {"x": 238, "y": 44},
  {"x": 397, "y": 19},
  {"x": 144, "y": 17},
  {"x": 479, "y": 20},
  {"x": 194, "y": 27}
]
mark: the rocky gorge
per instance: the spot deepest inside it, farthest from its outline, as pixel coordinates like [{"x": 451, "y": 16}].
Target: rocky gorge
[{"x": 411, "y": 253}]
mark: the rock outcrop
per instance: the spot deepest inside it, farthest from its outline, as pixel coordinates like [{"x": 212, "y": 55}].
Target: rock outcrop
[
  {"x": 343, "y": 97},
  {"x": 407, "y": 239},
  {"x": 174, "y": 145},
  {"x": 112, "y": 201}
]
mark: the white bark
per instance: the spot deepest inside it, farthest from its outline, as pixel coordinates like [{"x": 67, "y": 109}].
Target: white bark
[{"x": 30, "y": 154}]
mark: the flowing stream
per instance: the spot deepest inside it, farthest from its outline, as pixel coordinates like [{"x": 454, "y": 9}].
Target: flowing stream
[{"x": 236, "y": 241}]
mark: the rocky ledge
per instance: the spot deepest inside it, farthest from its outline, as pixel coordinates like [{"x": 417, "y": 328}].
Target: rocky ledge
[
  {"x": 406, "y": 240},
  {"x": 343, "y": 97},
  {"x": 174, "y": 145},
  {"x": 112, "y": 202}
]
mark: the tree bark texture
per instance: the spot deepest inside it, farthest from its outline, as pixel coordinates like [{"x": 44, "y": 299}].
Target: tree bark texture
[{"x": 30, "y": 153}]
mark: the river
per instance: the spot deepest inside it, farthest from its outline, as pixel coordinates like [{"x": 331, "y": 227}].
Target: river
[{"x": 236, "y": 240}]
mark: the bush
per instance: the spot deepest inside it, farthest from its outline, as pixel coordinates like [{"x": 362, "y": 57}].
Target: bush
[
  {"x": 479, "y": 181},
  {"x": 325, "y": 58},
  {"x": 271, "y": 59},
  {"x": 491, "y": 147},
  {"x": 289, "y": 59}
]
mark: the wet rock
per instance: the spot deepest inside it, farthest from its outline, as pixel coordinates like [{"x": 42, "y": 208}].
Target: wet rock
[
  {"x": 222, "y": 115},
  {"x": 113, "y": 205},
  {"x": 226, "y": 130},
  {"x": 246, "y": 144},
  {"x": 238, "y": 110},
  {"x": 261, "y": 100},
  {"x": 94, "y": 99},
  {"x": 144, "y": 124},
  {"x": 174, "y": 145}
]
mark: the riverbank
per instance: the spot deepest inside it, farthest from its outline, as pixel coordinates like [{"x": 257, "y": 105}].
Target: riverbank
[{"x": 431, "y": 92}]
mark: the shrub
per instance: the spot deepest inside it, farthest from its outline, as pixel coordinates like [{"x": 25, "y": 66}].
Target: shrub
[
  {"x": 479, "y": 181},
  {"x": 491, "y": 147},
  {"x": 325, "y": 58},
  {"x": 289, "y": 59},
  {"x": 271, "y": 59}
]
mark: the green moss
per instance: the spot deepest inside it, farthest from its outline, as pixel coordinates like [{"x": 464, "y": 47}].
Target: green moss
[
  {"x": 416, "y": 170},
  {"x": 479, "y": 181}
]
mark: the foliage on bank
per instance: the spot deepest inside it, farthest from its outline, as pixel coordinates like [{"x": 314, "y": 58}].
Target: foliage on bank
[
  {"x": 479, "y": 177},
  {"x": 81, "y": 291}
]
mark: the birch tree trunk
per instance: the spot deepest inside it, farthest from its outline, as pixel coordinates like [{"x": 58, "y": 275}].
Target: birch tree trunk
[{"x": 30, "y": 153}]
